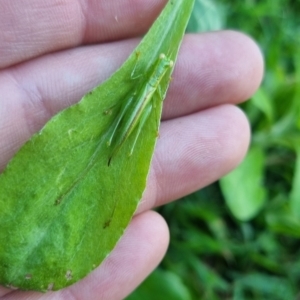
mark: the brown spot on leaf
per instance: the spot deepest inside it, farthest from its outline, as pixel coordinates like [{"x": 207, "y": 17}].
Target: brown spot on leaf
[{"x": 106, "y": 224}]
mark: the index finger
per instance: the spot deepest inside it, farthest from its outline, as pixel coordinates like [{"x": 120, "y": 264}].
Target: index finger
[{"x": 31, "y": 28}]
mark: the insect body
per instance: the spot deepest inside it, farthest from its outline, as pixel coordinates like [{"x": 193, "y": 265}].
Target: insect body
[{"x": 135, "y": 111}]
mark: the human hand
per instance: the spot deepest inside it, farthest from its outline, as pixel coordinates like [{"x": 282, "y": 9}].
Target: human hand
[{"x": 48, "y": 62}]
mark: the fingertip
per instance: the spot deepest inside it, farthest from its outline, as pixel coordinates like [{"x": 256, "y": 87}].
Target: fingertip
[
  {"x": 194, "y": 151},
  {"x": 214, "y": 68},
  {"x": 251, "y": 61},
  {"x": 237, "y": 136},
  {"x": 139, "y": 251}
]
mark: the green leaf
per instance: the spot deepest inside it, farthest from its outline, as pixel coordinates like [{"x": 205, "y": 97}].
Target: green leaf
[
  {"x": 207, "y": 15},
  {"x": 207, "y": 275},
  {"x": 63, "y": 208},
  {"x": 162, "y": 284},
  {"x": 284, "y": 222},
  {"x": 295, "y": 193},
  {"x": 270, "y": 287},
  {"x": 243, "y": 188},
  {"x": 263, "y": 102}
]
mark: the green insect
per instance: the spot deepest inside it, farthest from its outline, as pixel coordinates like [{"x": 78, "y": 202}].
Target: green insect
[{"x": 136, "y": 110}]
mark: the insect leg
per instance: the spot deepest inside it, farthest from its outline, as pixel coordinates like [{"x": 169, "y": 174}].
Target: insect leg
[
  {"x": 133, "y": 71},
  {"x": 156, "y": 115},
  {"x": 117, "y": 121},
  {"x": 141, "y": 123}
]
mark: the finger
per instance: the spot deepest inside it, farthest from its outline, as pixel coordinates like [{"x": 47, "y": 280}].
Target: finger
[
  {"x": 30, "y": 28},
  {"x": 4, "y": 291},
  {"x": 214, "y": 68},
  {"x": 34, "y": 91},
  {"x": 139, "y": 251},
  {"x": 194, "y": 151}
]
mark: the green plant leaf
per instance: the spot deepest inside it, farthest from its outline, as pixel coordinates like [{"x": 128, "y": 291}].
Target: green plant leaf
[
  {"x": 271, "y": 287},
  {"x": 263, "y": 102},
  {"x": 295, "y": 192},
  {"x": 63, "y": 208},
  {"x": 243, "y": 188},
  {"x": 162, "y": 284},
  {"x": 207, "y": 15}
]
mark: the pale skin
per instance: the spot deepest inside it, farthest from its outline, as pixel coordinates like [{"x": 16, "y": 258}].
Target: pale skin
[{"x": 57, "y": 51}]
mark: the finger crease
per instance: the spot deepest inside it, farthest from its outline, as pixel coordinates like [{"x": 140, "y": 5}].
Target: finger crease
[{"x": 33, "y": 105}]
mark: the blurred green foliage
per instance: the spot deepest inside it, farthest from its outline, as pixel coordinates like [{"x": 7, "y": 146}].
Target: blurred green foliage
[{"x": 241, "y": 241}]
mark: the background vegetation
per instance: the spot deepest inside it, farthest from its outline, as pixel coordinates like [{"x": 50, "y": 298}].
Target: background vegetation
[{"x": 233, "y": 241}]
